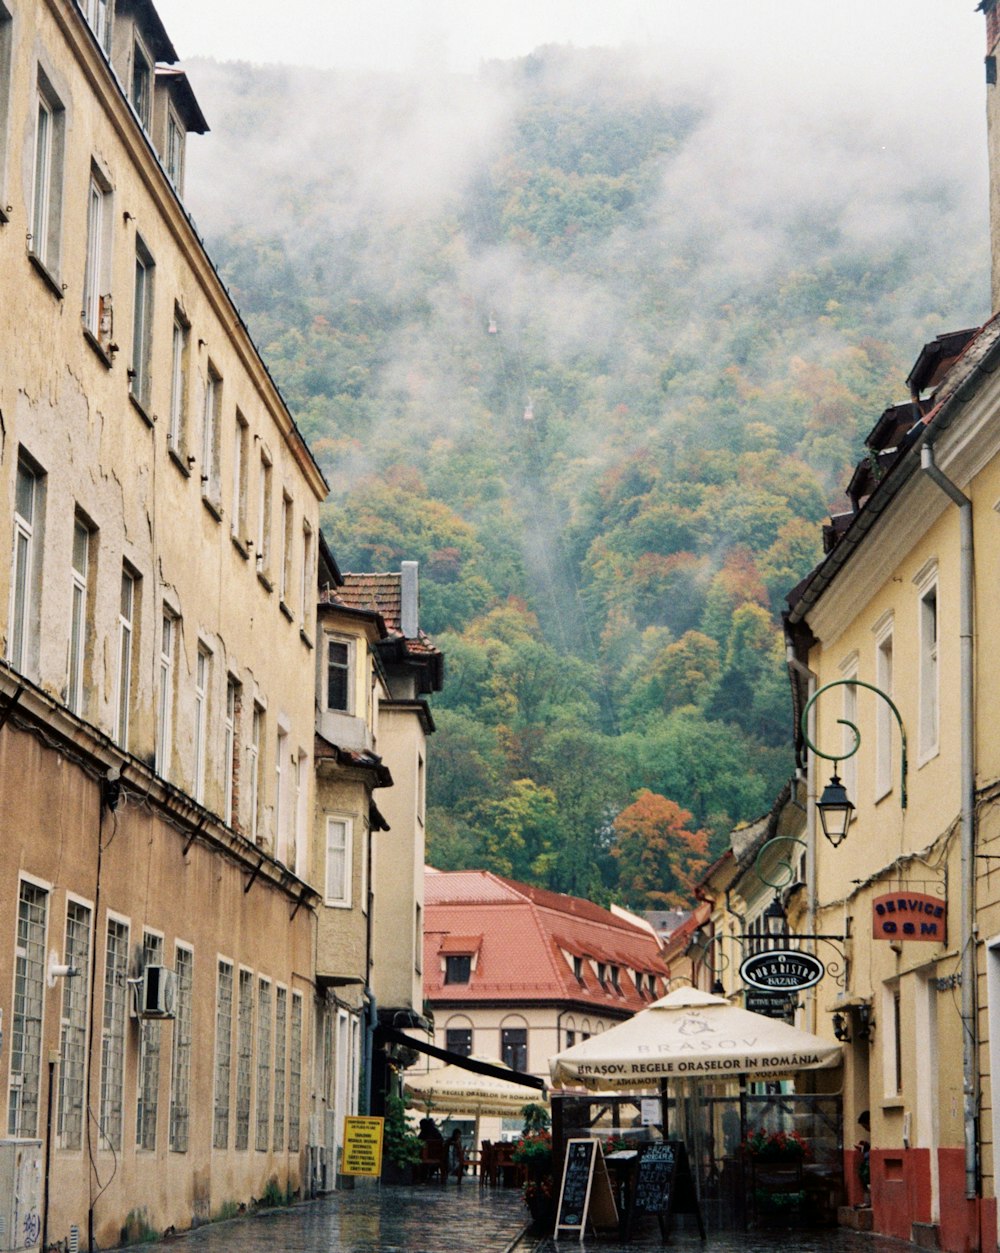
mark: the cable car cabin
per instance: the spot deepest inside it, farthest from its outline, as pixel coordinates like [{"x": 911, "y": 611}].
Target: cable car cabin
[
  {"x": 529, "y": 412},
  {"x": 491, "y": 328}
]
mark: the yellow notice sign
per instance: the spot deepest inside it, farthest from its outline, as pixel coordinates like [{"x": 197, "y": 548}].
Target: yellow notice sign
[{"x": 362, "y": 1147}]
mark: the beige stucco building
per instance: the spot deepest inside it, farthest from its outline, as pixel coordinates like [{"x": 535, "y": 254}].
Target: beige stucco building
[{"x": 158, "y": 624}]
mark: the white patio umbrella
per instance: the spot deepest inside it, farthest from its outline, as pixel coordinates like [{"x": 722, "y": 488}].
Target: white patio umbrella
[
  {"x": 453, "y": 1090},
  {"x": 689, "y": 1034}
]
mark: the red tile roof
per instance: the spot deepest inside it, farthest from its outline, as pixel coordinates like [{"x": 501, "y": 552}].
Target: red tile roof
[{"x": 529, "y": 939}]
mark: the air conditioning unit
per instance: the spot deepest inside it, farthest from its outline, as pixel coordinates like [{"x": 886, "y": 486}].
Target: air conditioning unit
[{"x": 158, "y": 993}]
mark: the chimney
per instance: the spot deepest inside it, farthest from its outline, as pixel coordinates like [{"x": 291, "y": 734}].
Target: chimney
[{"x": 409, "y": 621}]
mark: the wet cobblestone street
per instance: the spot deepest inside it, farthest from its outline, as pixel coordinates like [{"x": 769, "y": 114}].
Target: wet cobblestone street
[{"x": 371, "y": 1219}]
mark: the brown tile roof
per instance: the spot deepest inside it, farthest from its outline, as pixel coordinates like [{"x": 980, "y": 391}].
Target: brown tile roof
[
  {"x": 381, "y": 593},
  {"x": 526, "y": 934}
]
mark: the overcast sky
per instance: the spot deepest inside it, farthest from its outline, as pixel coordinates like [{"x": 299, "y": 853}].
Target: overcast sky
[{"x": 916, "y": 46}]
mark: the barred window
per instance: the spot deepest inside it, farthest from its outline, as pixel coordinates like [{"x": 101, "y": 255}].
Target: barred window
[
  {"x": 113, "y": 1034},
  {"x": 280, "y": 1061},
  {"x": 223, "y": 1054},
  {"x": 180, "y": 1070},
  {"x": 244, "y": 1058},
  {"x": 295, "y": 1074},
  {"x": 26, "y": 1019},
  {"x": 148, "y": 1085},
  {"x": 263, "y": 1064},
  {"x": 73, "y": 1029}
]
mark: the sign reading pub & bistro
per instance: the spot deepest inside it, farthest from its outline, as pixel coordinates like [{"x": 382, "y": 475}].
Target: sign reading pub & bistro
[
  {"x": 782, "y": 970},
  {"x": 909, "y": 916}
]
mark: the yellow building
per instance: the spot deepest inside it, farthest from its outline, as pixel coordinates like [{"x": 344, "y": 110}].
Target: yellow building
[
  {"x": 891, "y": 634},
  {"x": 158, "y": 632}
]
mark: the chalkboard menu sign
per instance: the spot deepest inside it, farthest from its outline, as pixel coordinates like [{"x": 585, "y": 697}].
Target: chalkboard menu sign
[
  {"x": 586, "y": 1189},
  {"x": 664, "y": 1186}
]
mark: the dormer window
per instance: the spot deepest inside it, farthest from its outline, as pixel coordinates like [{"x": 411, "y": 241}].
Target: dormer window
[
  {"x": 602, "y": 974},
  {"x": 615, "y": 983},
  {"x": 142, "y": 84},
  {"x": 174, "y": 155},
  {"x": 578, "y": 969},
  {"x": 99, "y": 17},
  {"x": 457, "y": 968},
  {"x": 338, "y": 674}
]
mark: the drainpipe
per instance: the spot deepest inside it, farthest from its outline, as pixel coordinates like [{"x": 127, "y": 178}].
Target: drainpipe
[
  {"x": 968, "y": 774},
  {"x": 811, "y": 677}
]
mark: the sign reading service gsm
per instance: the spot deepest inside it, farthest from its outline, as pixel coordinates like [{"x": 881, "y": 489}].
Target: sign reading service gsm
[
  {"x": 782, "y": 970},
  {"x": 909, "y": 916}
]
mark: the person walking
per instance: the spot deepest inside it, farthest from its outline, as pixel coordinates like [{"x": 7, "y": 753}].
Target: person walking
[{"x": 456, "y": 1156}]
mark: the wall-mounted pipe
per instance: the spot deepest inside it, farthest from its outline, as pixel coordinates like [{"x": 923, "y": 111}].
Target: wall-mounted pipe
[{"x": 970, "y": 1070}]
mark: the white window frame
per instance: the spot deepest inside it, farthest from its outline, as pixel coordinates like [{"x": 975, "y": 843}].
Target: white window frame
[
  {"x": 173, "y": 161},
  {"x": 142, "y": 325},
  {"x": 848, "y": 768},
  {"x": 241, "y": 453},
  {"x": 71, "y": 1109},
  {"x": 180, "y": 340},
  {"x": 264, "y": 516},
  {"x": 265, "y": 1016},
  {"x": 884, "y": 719},
  {"x": 280, "y": 1067},
  {"x": 229, "y": 744},
  {"x": 929, "y": 634},
  {"x": 169, "y": 627},
  {"x": 23, "y": 583},
  {"x": 256, "y": 739},
  {"x": 225, "y": 1000},
  {"x": 141, "y": 93},
  {"x": 202, "y": 679},
  {"x": 98, "y": 13},
  {"x": 113, "y": 1032},
  {"x": 285, "y": 578},
  {"x": 24, "y": 1090},
  {"x": 244, "y": 1056},
  {"x": 211, "y": 407},
  {"x": 47, "y": 168},
  {"x": 295, "y": 1073},
  {"x": 892, "y": 1042},
  {"x": 308, "y": 575},
  {"x": 178, "y": 1135},
  {"x": 96, "y": 308},
  {"x": 126, "y": 648},
  {"x": 79, "y": 589},
  {"x": 349, "y": 645},
  {"x": 147, "y": 1085},
  {"x": 282, "y": 784},
  {"x": 338, "y": 861}
]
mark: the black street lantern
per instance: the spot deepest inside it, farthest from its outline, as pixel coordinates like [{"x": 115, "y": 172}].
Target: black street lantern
[
  {"x": 835, "y": 811},
  {"x": 775, "y": 919}
]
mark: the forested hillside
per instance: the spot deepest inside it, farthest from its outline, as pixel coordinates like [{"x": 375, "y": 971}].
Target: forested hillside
[{"x": 598, "y": 353}]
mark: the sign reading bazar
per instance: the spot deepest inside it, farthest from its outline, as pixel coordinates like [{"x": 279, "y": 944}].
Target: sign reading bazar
[
  {"x": 782, "y": 970},
  {"x": 909, "y": 916}
]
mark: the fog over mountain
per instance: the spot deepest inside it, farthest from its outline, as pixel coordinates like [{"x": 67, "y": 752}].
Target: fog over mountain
[{"x": 595, "y": 335}]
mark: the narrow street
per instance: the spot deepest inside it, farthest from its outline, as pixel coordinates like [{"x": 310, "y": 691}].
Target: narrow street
[{"x": 431, "y": 1219}]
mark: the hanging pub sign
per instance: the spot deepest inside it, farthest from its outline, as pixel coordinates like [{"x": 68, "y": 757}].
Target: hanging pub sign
[
  {"x": 910, "y": 916},
  {"x": 782, "y": 970}
]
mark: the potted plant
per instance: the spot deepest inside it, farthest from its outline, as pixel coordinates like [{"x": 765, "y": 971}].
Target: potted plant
[
  {"x": 400, "y": 1147},
  {"x": 533, "y": 1152},
  {"x": 776, "y": 1146}
]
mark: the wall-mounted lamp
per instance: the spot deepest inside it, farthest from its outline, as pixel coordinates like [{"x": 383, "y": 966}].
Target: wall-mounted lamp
[
  {"x": 841, "y": 1030},
  {"x": 111, "y": 788},
  {"x": 835, "y": 810},
  {"x": 775, "y": 919}
]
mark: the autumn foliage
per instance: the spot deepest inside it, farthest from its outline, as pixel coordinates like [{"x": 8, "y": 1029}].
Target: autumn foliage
[{"x": 659, "y": 857}]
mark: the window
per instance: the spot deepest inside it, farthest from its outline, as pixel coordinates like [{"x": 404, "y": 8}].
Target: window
[
  {"x": 263, "y": 1065},
  {"x": 418, "y": 937},
  {"x": 928, "y": 611},
  {"x": 6, "y": 47},
  {"x": 223, "y": 1054},
  {"x": 148, "y": 1080},
  {"x": 892, "y": 1041},
  {"x": 142, "y": 325},
  {"x": 883, "y": 714},
  {"x": 256, "y": 735},
  {"x": 264, "y": 516},
  {"x": 615, "y": 979},
  {"x": 307, "y": 595},
  {"x": 113, "y": 1035},
  {"x": 96, "y": 309},
  {"x": 457, "y": 968},
  {"x": 180, "y": 1069},
  {"x": 295, "y": 1075},
  {"x": 78, "y": 615},
  {"x": 229, "y": 746},
  {"x": 514, "y": 1047},
  {"x": 210, "y": 437},
  {"x": 178, "y": 384},
  {"x": 73, "y": 1029},
  {"x": 165, "y": 694},
  {"x": 338, "y": 675},
  {"x": 98, "y": 13},
  {"x": 459, "y": 1040},
  {"x": 174, "y": 163},
  {"x": 22, "y": 640},
  {"x": 280, "y": 1062},
  {"x": 282, "y": 785},
  {"x": 241, "y": 445},
  {"x": 338, "y": 861},
  {"x": 46, "y": 190},
  {"x": 201, "y": 678},
  {"x": 142, "y": 84},
  {"x": 570, "y": 1039},
  {"x": 578, "y": 969},
  {"x": 244, "y": 1058},
  {"x": 285, "y": 582},
  {"x": 298, "y": 853},
  {"x": 848, "y": 768},
  {"x": 123, "y": 671},
  {"x": 26, "y": 1016}
]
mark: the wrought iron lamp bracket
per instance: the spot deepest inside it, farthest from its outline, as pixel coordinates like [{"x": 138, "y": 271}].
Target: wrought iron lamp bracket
[
  {"x": 788, "y": 870},
  {"x": 846, "y": 722}
]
